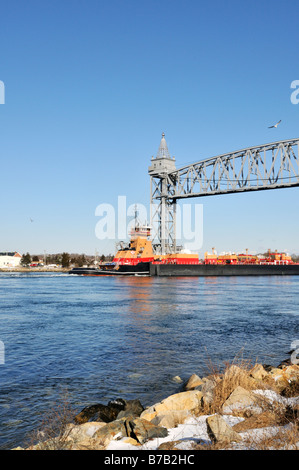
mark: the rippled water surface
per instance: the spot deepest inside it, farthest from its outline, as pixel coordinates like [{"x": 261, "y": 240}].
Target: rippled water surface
[{"x": 96, "y": 339}]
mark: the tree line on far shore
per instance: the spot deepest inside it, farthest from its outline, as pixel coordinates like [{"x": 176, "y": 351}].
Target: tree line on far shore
[
  {"x": 78, "y": 260},
  {"x": 64, "y": 259}
]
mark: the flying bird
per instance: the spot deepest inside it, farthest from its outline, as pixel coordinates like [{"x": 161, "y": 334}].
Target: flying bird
[
  {"x": 275, "y": 125},
  {"x": 31, "y": 220}
]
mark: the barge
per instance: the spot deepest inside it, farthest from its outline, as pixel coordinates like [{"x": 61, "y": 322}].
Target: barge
[{"x": 137, "y": 258}]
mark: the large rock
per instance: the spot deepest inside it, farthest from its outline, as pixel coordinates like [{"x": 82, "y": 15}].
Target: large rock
[
  {"x": 99, "y": 412},
  {"x": 142, "y": 430},
  {"x": 207, "y": 389},
  {"x": 258, "y": 372},
  {"x": 115, "y": 409},
  {"x": 188, "y": 401},
  {"x": 238, "y": 376},
  {"x": 138, "y": 429},
  {"x": 281, "y": 380},
  {"x": 233, "y": 371},
  {"x": 171, "y": 419},
  {"x": 81, "y": 432},
  {"x": 291, "y": 373},
  {"x": 207, "y": 386},
  {"x": 283, "y": 377},
  {"x": 240, "y": 400},
  {"x": 220, "y": 431},
  {"x": 108, "y": 432},
  {"x": 192, "y": 382},
  {"x": 132, "y": 408},
  {"x": 81, "y": 436}
]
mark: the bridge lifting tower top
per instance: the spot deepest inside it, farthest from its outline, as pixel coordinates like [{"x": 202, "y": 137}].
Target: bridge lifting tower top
[
  {"x": 268, "y": 166},
  {"x": 163, "y": 208}
]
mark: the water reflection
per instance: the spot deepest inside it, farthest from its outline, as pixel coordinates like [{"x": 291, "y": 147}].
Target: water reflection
[{"x": 104, "y": 338}]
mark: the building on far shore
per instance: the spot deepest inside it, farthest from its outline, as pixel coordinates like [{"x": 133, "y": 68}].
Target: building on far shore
[{"x": 10, "y": 259}]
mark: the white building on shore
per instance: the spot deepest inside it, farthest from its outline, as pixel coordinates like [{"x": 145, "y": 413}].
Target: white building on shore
[{"x": 10, "y": 259}]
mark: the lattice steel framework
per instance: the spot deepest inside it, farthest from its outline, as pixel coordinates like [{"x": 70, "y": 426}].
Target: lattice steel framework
[
  {"x": 163, "y": 216},
  {"x": 163, "y": 209},
  {"x": 269, "y": 166}
]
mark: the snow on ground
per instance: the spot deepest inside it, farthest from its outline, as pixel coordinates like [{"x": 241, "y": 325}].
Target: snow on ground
[
  {"x": 194, "y": 430},
  {"x": 272, "y": 397}
]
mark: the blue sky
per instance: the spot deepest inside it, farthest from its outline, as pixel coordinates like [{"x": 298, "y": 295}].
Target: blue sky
[{"x": 89, "y": 88}]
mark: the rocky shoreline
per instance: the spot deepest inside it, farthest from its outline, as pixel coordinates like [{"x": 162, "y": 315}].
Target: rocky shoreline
[{"x": 242, "y": 408}]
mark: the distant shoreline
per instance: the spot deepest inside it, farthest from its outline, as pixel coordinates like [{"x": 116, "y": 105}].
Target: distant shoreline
[{"x": 34, "y": 270}]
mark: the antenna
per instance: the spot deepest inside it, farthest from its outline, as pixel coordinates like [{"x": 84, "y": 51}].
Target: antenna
[{"x": 136, "y": 217}]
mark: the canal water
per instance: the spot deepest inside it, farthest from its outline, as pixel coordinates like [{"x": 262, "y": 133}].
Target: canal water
[{"x": 95, "y": 339}]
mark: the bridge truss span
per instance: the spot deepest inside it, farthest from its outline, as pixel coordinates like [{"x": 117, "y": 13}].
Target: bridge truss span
[{"x": 268, "y": 166}]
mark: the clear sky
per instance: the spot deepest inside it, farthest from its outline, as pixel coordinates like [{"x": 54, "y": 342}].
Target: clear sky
[{"x": 91, "y": 85}]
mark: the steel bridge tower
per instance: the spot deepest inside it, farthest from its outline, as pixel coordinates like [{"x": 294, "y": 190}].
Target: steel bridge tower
[
  {"x": 268, "y": 166},
  {"x": 163, "y": 207}
]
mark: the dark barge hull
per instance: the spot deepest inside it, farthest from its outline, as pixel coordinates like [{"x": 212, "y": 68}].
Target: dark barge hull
[
  {"x": 175, "y": 270},
  {"x": 223, "y": 270},
  {"x": 123, "y": 270}
]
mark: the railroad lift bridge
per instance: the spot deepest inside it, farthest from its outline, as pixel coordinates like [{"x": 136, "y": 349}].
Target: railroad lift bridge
[{"x": 268, "y": 166}]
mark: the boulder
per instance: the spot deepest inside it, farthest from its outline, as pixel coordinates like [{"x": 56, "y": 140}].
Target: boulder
[
  {"x": 291, "y": 372},
  {"x": 219, "y": 431},
  {"x": 238, "y": 376},
  {"x": 171, "y": 419},
  {"x": 177, "y": 379},
  {"x": 149, "y": 413},
  {"x": 137, "y": 429},
  {"x": 258, "y": 372},
  {"x": 130, "y": 440},
  {"x": 241, "y": 400},
  {"x": 99, "y": 412},
  {"x": 232, "y": 372},
  {"x": 132, "y": 408},
  {"x": 142, "y": 430},
  {"x": 207, "y": 389},
  {"x": 108, "y": 432},
  {"x": 279, "y": 377},
  {"x": 192, "y": 382},
  {"x": 207, "y": 386},
  {"x": 190, "y": 401},
  {"x": 207, "y": 399},
  {"x": 115, "y": 409},
  {"x": 79, "y": 432}
]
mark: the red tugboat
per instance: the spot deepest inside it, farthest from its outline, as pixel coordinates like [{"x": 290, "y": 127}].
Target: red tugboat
[{"x": 133, "y": 258}]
